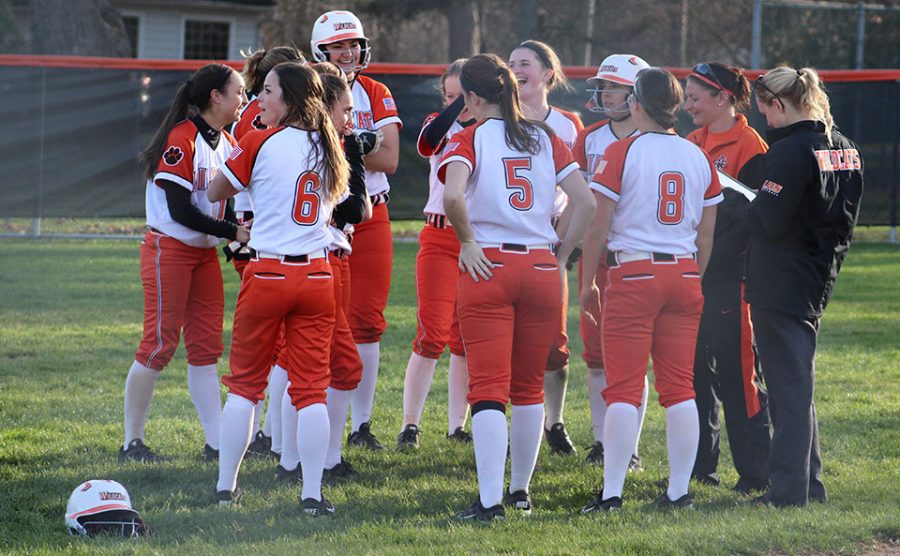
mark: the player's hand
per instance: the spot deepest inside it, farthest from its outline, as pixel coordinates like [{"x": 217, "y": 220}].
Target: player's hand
[
  {"x": 589, "y": 300},
  {"x": 473, "y": 261},
  {"x": 243, "y": 233},
  {"x": 371, "y": 141},
  {"x": 563, "y": 278}
]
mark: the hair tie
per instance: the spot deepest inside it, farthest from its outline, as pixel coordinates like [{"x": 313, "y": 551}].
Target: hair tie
[{"x": 799, "y": 73}]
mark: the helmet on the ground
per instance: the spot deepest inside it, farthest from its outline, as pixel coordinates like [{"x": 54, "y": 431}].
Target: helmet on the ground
[{"x": 103, "y": 506}]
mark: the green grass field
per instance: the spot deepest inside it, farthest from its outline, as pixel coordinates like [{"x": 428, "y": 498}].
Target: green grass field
[{"x": 70, "y": 320}]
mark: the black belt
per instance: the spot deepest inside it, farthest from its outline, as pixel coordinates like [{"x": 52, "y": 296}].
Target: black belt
[
  {"x": 514, "y": 247},
  {"x": 379, "y": 199},
  {"x": 302, "y": 259},
  {"x": 436, "y": 220}
]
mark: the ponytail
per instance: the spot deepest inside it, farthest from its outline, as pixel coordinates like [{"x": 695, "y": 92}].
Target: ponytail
[
  {"x": 802, "y": 88},
  {"x": 261, "y": 62},
  {"x": 192, "y": 97}
]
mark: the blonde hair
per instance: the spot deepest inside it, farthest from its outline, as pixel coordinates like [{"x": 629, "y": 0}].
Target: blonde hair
[{"x": 803, "y": 88}]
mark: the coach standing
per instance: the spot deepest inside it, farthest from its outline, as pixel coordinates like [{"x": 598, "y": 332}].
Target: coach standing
[{"x": 802, "y": 222}]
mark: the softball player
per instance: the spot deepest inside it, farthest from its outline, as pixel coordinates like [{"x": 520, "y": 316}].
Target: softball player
[
  {"x": 179, "y": 268},
  {"x": 436, "y": 276},
  {"x": 657, "y": 209},
  {"x": 268, "y": 439},
  {"x": 345, "y": 364},
  {"x": 510, "y": 288},
  {"x": 288, "y": 279},
  {"x": 715, "y": 96},
  {"x": 611, "y": 86},
  {"x": 338, "y": 37},
  {"x": 538, "y": 71}
]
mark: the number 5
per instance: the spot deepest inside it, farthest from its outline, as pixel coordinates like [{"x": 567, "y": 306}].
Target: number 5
[{"x": 523, "y": 198}]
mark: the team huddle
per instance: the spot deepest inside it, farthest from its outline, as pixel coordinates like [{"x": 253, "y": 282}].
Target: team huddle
[{"x": 518, "y": 191}]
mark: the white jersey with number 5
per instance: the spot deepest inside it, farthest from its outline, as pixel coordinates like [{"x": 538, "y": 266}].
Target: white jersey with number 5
[
  {"x": 509, "y": 194},
  {"x": 285, "y": 182},
  {"x": 661, "y": 183}
]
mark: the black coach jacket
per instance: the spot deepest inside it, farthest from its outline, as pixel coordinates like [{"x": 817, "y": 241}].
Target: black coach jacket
[{"x": 802, "y": 219}]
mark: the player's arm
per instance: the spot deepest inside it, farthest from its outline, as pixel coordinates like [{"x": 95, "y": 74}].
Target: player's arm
[
  {"x": 220, "y": 189},
  {"x": 357, "y": 207},
  {"x": 705, "y": 232},
  {"x": 580, "y": 209},
  {"x": 471, "y": 257},
  {"x": 434, "y": 132},
  {"x": 593, "y": 249},
  {"x": 386, "y": 158},
  {"x": 184, "y": 212}
]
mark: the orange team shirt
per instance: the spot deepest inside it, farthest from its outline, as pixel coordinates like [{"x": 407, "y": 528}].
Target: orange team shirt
[{"x": 729, "y": 151}]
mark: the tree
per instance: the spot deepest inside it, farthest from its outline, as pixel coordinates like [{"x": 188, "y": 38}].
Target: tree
[{"x": 77, "y": 27}]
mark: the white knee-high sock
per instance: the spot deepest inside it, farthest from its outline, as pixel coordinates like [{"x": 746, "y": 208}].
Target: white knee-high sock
[
  {"x": 290, "y": 458},
  {"x": 457, "y": 390},
  {"x": 524, "y": 442},
  {"x": 312, "y": 443},
  {"x": 203, "y": 384},
  {"x": 364, "y": 395},
  {"x": 139, "y": 387},
  {"x": 258, "y": 410},
  {"x": 555, "y": 385},
  {"x": 419, "y": 374},
  {"x": 277, "y": 383},
  {"x": 618, "y": 440},
  {"x": 235, "y": 433},
  {"x": 682, "y": 437},
  {"x": 596, "y": 385},
  {"x": 338, "y": 406},
  {"x": 642, "y": 411},
  {"x": 490, "y": 437}
]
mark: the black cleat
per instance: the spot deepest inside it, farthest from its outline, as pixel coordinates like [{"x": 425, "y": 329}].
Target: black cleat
[
  {"x": 289, "y": 476},
  {"x": 595, "y": 456},
  {"x": 140, "y": 452},
  {"x": 339, "y": 472},
  {"x": 477, "y": 512},
  {"x": 209, "y": 453},
  {"x": 518, "y": 500},
  {"x": 261, "y": 446},
  {"x": 635, "y": 463},
  {"x": 558, "y": 440},
  {"x": 599, "y": 505},
  {"x": 408, "y": 438},
  {"x": 364, "y": 438},
  {"x": 315, "y": 508},
  {"x": 683, "y": 503},
  {"x": 460, "y": 435},
  {"x": 225, "y": 498}
]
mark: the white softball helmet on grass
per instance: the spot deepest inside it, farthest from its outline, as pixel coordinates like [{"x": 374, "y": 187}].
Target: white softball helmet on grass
[
  {"x": 103, "y": 506},
  {"x": 616, "y": 68},
  {"x": 339, "y": 25}
]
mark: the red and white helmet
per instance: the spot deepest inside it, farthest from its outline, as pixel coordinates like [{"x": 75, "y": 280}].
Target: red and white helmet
[
  {"x": 620, "y": 68},
  {"x": 101, "y": 505},
  {"x": 338, "y": 25}
]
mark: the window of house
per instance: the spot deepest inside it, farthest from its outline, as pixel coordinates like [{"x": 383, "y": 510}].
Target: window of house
[
  {"x": 206, "y": 40},
  {"x": 132, "y": 28}
]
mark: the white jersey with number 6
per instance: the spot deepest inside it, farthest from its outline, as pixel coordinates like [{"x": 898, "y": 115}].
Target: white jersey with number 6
[
  {"x": 661, "y": 183},
  {"x": 509, "y": 193},
  {"x": 279, "y": 168}
]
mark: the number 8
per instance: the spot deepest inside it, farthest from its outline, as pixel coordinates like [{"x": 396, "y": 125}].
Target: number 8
[{"x": 671, "y": 198}]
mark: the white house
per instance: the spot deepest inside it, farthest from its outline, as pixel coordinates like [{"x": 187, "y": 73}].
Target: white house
[{"x": 193, "y": 29}]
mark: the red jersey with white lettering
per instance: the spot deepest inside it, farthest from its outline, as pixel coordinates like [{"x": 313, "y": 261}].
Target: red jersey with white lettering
[
  {"x": 373, "y": 108},
  {"x": 509, "y": 193},
  {"x": 283, "y": 172},
  {"x": 191, "y": 162},
  {"x": 435, "y": 204},
  {"x": 249, "y": 121},
  {"x": 592, "y": 143},
  {"x": 661, "y": 183},
  {"x": 566, "y": 126}
]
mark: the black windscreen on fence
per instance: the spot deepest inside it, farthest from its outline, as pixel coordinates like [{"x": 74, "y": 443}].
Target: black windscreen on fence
[{"x": 71, "y": 136}]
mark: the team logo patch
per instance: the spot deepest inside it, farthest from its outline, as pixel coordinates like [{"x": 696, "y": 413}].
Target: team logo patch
[
  {"x": 601, "y": 165},
  {"x": 772, "y": 187},
  {"x": 389, "y": 104},
  {"x": 173, "y": 156},
  {"x": 633, "y": 61},
  {"x": 257, "y": 122},
  {"x": 112, "y": 496},
  {"x": 235, "y": 152},
  {"x": 720, "y": 163},
  {"x": 611, "y": 68},
  {"x": 452, "y": 146},
  {"x": 344, "y": 25},
  {"x": 324, "y": 18}
]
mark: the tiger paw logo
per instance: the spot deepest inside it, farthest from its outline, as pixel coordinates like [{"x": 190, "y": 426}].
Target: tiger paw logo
[
  {"x": 257, "y": 122},
  {"x": 172, "y": 156},
  {"x": 720, "y": 163}
]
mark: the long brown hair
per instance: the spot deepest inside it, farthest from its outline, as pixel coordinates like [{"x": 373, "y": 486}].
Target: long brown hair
[
  {"x": 302, "y": 92},
  {"x": 192, "y": 97},
  {"x": 489, "y": 77},
  {"x": 261, "y": 62},
  {"x": 660, "y": 95}
]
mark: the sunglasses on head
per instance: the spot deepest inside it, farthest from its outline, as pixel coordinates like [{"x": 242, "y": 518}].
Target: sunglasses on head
[
  {"x": 705, "y": 73},
  {"x": 760, "y": 85}
]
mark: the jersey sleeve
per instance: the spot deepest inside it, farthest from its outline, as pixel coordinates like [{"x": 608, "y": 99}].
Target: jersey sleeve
[
  {"x": 250, "y": 121},
  {"x": 177, "y": 162},
  {"x": 460, "y": 148},
  {"x": 563, "y": 162},
  {"x": 384, "y": 109},
  {"x": 422, "y": 147},
  {"x": 608, "y": 179},
  {"x": 239, "y": 166}
]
